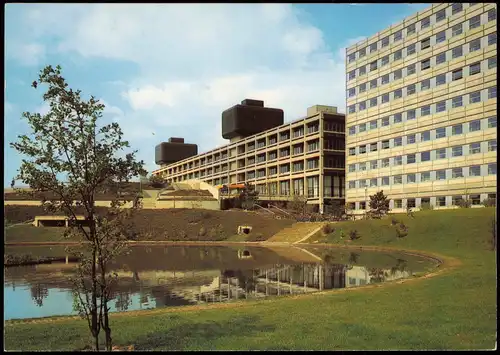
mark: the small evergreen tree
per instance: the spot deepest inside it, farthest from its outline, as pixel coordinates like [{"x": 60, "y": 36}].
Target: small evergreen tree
[
  {"x": 248, "y": 196},
  {"x": 379, "y": 204}
]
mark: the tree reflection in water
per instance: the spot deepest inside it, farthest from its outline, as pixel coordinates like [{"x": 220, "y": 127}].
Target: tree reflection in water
[
  {"x": 123, "y": 301},
  {"x": 377, "y": 275},
  {"x": 401, "y": 266},
  {"x": 39, "y": 293}
]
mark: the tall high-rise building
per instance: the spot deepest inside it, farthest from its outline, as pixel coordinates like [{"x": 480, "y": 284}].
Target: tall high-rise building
[{"x": 422, "y": 110}]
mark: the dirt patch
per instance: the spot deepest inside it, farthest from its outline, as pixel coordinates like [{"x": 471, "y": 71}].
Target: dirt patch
[{"x": 176, "y": 224}]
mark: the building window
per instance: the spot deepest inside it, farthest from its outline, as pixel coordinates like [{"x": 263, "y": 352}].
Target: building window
[
  {"x": 457, "y": 129},
  {"x": 385, "y": 163},
  {"x": 456, "y": 8},
  {"x": 456, "y": 30},
  {"x": 362, "y": 127},
  {"x": 425, "y": 136},
  {"x": 385, "y": 121},
  {"x": 457, "y": 173},
  {"x": 475, "y": 22},
  {"x": 492, "y": 145},
  {"x": 351, "y": 57},
  {"x": 440, "y": 79},
  {"x": 373, "y": 65},
  {"x": 456, "y": 151},
  {"x": 455, "y": 200},
  {"x": 411, "y": 203},
  {"x": 373, "y": 84},
  {"x": 351, "y": 75},
  {"x": 385, "y": 98},
  {"x": 411, "y": 114},
  {"x": 441, "y": 175},
  {"x": 312, "y": 164},
  {"x": 492, "y": 169},
  {"x": 441, "y": 37},
  {"x": 352, "y": 151},
  {"x": 425, "y": 43},
  {"x": 456, "y": 74},
  {"x": 475, "y": 170},
  {"x": 362, "y": 183},
  {"x": 352, "y": 130},
  {"x": 492, "y": 92},
  {"x": 384, "y": 61},
  {"x": 475, "y": 97},
  {"x": 362, "y": 88},
  {"x": 373, "y": 124},
  {"x": 398, "y": 74},
  {"x": 410, "y": 49},
  {"x": 398, "y": 117},
  {"x": 475, "y": 45},
  {"x": 398, "y": 54},
  {"x": 373, "y": 164},
  {"x": 362, "y": 105},
  {"x": 410, "y": 69},
  {"x": 440, "y": 132},
  {"x": 411, "y": 29},
  {"x": 385, "y": 42},
  {"x": 492, "y": 62},
  {"x": 351, "y": 109},
  {"x": 351, "y": 92},
  {"x": 385, "y": 79},
  {"x": 362, "y": 52},
  {"x": 385, "y": 181},
  {"x": 398, "y": 203},
  {"x": 410, "y": 139},
  {"x": 373, "y": 182},
  {"x": 362, "y": 149},
  {"x": 425, "y": 84},
  {"x": 475, "y": 148},
  {"x": 440, "y": 15},
  {"x": 456, "y": 102},
  {"x": 352, "y": 168},
  {"x": 425, "y": 176},
  {"x": 441, "y": 201},
  {"x": 362, "y": 204},
  {"x": 440, "y": 58},
  {"x": 425, "y": 156},
  {"x": 410, "y": 89},
  {"x": 474, "y": 68},
  {"x": 398, "y": 160},
  {"x": 492, "y": 122},
  {"x": 492, "y": 15},
  {"x": 352, "y": 184},
  {"x": 398, "y": 141},
  {"x": 373, "y": 102},
  {"x": 399, "y": 35},
  {"x": 441, "y": 106},
  {"x": 397, "y": 179},
  {"x": 411, "y": 158},
  {"x": 373, "y": 47},
  {"x": 425, "y": 110},
  {"x": 441, "y": 153},
  {"x": 426, "y": 22},
  {"x": 362, "y": 70},
  {"x": 398, "y": 94},
  {"x": 411, "y": 178},
  {"x": 385, "y": 144},
  {"x": 373, "y": 147},
  {"x": 456, "y": 52},
  {"x": 474, "y": 126}
]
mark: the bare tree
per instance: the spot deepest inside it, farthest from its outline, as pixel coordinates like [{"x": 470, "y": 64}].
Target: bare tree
[{"x": 69, "y": 157}]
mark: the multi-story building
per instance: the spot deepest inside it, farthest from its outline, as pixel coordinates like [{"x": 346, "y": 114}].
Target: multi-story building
[
  {"x": 422, "y": 109},
  {"x": 305, "y": 157}
]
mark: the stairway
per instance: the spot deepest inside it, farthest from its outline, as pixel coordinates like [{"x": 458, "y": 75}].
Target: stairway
[{"x": 297, "y": 232}]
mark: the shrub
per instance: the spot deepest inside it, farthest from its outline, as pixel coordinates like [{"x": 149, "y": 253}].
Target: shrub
[
  {"x": 401, "y": 230},
  {"x": 426, "y": 206},
  {"x": 328, "y": 229},
  {"x": 353, "y": 235},
  {"x": 182, "y": 235},
  {"x": 202, "y": 232},
  {"x": 379, "y": 205},
  {"x": 464, "y": 203},
  {"x": 489, "y": 202},
  {"x": 394, "y": 221}
]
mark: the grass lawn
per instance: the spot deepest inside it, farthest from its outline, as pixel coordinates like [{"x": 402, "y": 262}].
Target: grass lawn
[{"x": 453, "y": 310}]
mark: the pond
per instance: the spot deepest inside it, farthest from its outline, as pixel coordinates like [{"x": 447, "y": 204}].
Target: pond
[{"x": 163, "y": 276}]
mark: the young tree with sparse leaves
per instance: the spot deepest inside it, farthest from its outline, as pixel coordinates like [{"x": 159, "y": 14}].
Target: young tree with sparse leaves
[
  {"x": 71, "y": 156},
  {"x": 379, "y": 204}
]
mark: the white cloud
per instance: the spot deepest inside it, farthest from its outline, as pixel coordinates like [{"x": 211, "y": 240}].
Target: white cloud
[
  {"x": 29, "y": 54},
  {"x": 196, "y": 60}
]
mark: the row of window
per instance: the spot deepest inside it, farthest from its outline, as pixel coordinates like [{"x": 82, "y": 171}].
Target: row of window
[
  {"x": 435, "y": 175},
  {"x": 425, "y": 64},
  {"x": 422, "y": 86},
  {"x": 446, "y": 55},
  {"x": 442, "y": 153},
  {"x": 439, "y": 16},
  {"x": 441, "y": 106},
  {"x": 428, "y": 135},
  {"x": 437, "y": 201}
]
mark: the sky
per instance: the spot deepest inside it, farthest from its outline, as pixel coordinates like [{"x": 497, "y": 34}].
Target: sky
[{"x": 169, "y": 70}]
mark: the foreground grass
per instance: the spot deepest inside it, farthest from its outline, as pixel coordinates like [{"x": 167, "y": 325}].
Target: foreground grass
[{"x": 454, "y": 310}]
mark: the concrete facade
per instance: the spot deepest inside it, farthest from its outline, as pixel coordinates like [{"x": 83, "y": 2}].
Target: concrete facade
[
  {"x": 305, "y": 157},
  {"x": 421, "y": 109}
]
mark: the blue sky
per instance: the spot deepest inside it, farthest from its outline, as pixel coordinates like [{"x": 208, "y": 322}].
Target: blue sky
[{"x": 170, "y": 70}]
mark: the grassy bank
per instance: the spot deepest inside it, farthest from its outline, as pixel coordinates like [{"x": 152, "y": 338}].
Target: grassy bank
[{"x": 453, "y": 310}]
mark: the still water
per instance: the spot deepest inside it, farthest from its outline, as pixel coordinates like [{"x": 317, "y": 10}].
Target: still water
[{"x": 160, "y": 276}]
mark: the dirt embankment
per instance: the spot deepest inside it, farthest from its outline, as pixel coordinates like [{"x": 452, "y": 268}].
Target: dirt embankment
[{"x": 178, "y": 224}]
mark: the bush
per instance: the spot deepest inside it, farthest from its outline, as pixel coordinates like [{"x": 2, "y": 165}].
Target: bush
[
  {"x": 464, "y": 203},
  {"x": 489, "y": 202},
  {"x": 401, "y": 230},
  {"x": 394, "y": 221},
  {"x": 426, "y": 206},
  {"x": 328, "y": 229},
  {"x": 182, "y": 235},
  {"x": 202, "y": 232},
  {"x": 353, "y": 235}
]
